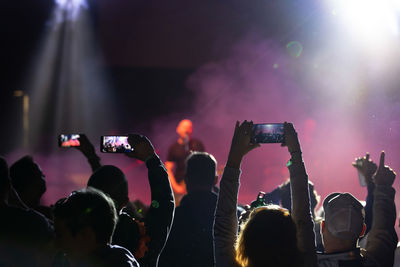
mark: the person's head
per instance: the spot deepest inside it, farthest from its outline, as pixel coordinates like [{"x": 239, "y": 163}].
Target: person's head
[
  {"x": 185, "y": 128},
  {"x": 268, "y": 238},
  {"x": 84, "y": 221},
  {"x": 28, "y": 180},
  {"x": 200, "y": 172},
  {"x": 112, "y": 181},
  {"x": 343, "y": 223},
  {"x": 286, "y": 196},
  {"x": 4, "y": 179}
]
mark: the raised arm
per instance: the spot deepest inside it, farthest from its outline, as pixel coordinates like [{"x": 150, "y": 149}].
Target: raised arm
[
  {"x": 159, "y": 217},
  {"x": 366, "y": 167},
  {"x": 226, "y": 224},
  {"x": 301, "y": 211},
  {"x": 382, "y": 239},
  {"x": 89, "y": 152}
]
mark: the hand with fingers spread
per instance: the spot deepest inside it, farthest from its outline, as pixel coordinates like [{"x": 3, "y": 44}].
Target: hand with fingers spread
[
  {"x": 384, "y": 174},
  {"x": 142, "y": 147},
  {"x": 366, "y": 167},
  {"x": 240, "y": 144}
]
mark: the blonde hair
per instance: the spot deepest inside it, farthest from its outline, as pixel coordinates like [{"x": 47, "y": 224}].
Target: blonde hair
[{"x": 267, "y": 237}]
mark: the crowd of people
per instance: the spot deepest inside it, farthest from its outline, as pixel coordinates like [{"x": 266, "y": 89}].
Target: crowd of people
[{"x": 99, "y": 226}]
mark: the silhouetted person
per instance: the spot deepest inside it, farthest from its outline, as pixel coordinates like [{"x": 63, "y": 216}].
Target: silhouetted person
[
  {"x": 282, "y": 196},
  {"x": 144, "y": 239},
  {"x": 25, "y": 235},
  {"x": 29, "y": 181},
  {"x": 84, "y": 224},
  {"x": 343, "y": 225},
  {"x": 270, "y": 237},
  {"x": 190, "y": 242},
  {"x": 177, "y": 154}
]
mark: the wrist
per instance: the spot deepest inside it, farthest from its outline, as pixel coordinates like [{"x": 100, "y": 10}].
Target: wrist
[
  {"x": 234, "y": 162},
  {"x": 149, "y": 157}
]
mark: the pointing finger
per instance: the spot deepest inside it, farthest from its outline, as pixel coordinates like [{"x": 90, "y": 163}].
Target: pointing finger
[{"x": 382, "y": 160}]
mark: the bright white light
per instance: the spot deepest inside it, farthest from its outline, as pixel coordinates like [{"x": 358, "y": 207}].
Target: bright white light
[
  {"x": 370, "y": 20},
  {"x": 71, "y": 7},
  {"x": 71, "y": 3}
]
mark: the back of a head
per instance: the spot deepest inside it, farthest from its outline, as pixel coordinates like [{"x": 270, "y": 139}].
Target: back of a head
[
  {"x": 112, "y": 181},
  {"x": 22, "y": 173},
  {"x": 88, "y": 208},
  {"x": 286, "y": 196},
  {"x": 200, "y": 171},
  {"x": 344, "y": 216},
  {"x": 4, "y": 178},
  {"x": 268, "y": 238}
]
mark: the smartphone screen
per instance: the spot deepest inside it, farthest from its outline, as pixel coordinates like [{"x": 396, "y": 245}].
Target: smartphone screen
[
  {"x": 115, "y": 144},
  {"x": 68, "y": 140},
  {"x": 268, "y": 133}
]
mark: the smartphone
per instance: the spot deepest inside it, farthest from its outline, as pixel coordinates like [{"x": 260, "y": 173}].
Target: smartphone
[
  {"x": 268, "y": 133},
  {"x": 361, "y": 177},
  {"x": 115, "y": 144},
  {"x": 68, "y": 140}
]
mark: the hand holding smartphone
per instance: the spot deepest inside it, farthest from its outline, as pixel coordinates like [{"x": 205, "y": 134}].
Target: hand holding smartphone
[
  {"x": 268, "y": 133},
  {"x": 115, "y": 144},
  {"x": 69, "y": 140}
]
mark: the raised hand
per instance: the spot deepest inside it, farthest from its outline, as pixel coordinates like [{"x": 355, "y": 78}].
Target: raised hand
[
  {"x": 291, "y": 140},
  {"x": 142, "y": 147},
  {"x": 366, "y": 167},
  {"x": 384, "y": 174},
  {"x": 240, "y": 143},
  {"x": 85, "y": 146}
]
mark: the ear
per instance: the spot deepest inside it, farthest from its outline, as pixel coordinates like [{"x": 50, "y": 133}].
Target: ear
[
  {"x": 363, "y": 230},
  {"x": 323, "y": 226}
]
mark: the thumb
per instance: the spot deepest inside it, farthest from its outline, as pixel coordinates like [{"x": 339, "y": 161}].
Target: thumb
[{"x": 382, "y": 160}]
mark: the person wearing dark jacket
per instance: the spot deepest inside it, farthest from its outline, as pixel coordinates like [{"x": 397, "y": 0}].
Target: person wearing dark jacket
[
  {"x": 190, "y": 242},
  {"x": 145, "y": 240}
]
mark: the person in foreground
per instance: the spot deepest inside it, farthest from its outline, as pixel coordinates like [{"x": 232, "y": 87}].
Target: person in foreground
[
  {"x": 270, "y": 237},
  {"x": 344, "y": 225},
  {"x": 84, "y": 224},
  {"x": 145, "y": 240},
  {"x": 26, "y": 236},
  {"x": 190, "y": 241}
]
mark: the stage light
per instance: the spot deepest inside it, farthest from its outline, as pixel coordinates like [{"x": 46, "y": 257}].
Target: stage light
[
  {"x": 368, "y": 20},
  {"x": 71, "y": 3},
  {"x": 70, "y": 7}
]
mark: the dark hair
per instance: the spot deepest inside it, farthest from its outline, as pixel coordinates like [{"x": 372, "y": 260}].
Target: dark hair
[
  {"x": 4, "y": 179},
  {"x": 112, "y": 181},
  {"x": 268, "y": 238},
  {"x": 286, "y": 196},
  {"x": 21, "y": 172},
  {"x": 88, "y": 208},
  {"x": 200, "y": 170}
]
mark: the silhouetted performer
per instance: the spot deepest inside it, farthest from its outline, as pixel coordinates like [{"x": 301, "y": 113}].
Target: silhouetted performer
[{"x": 177, "y": 154}]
